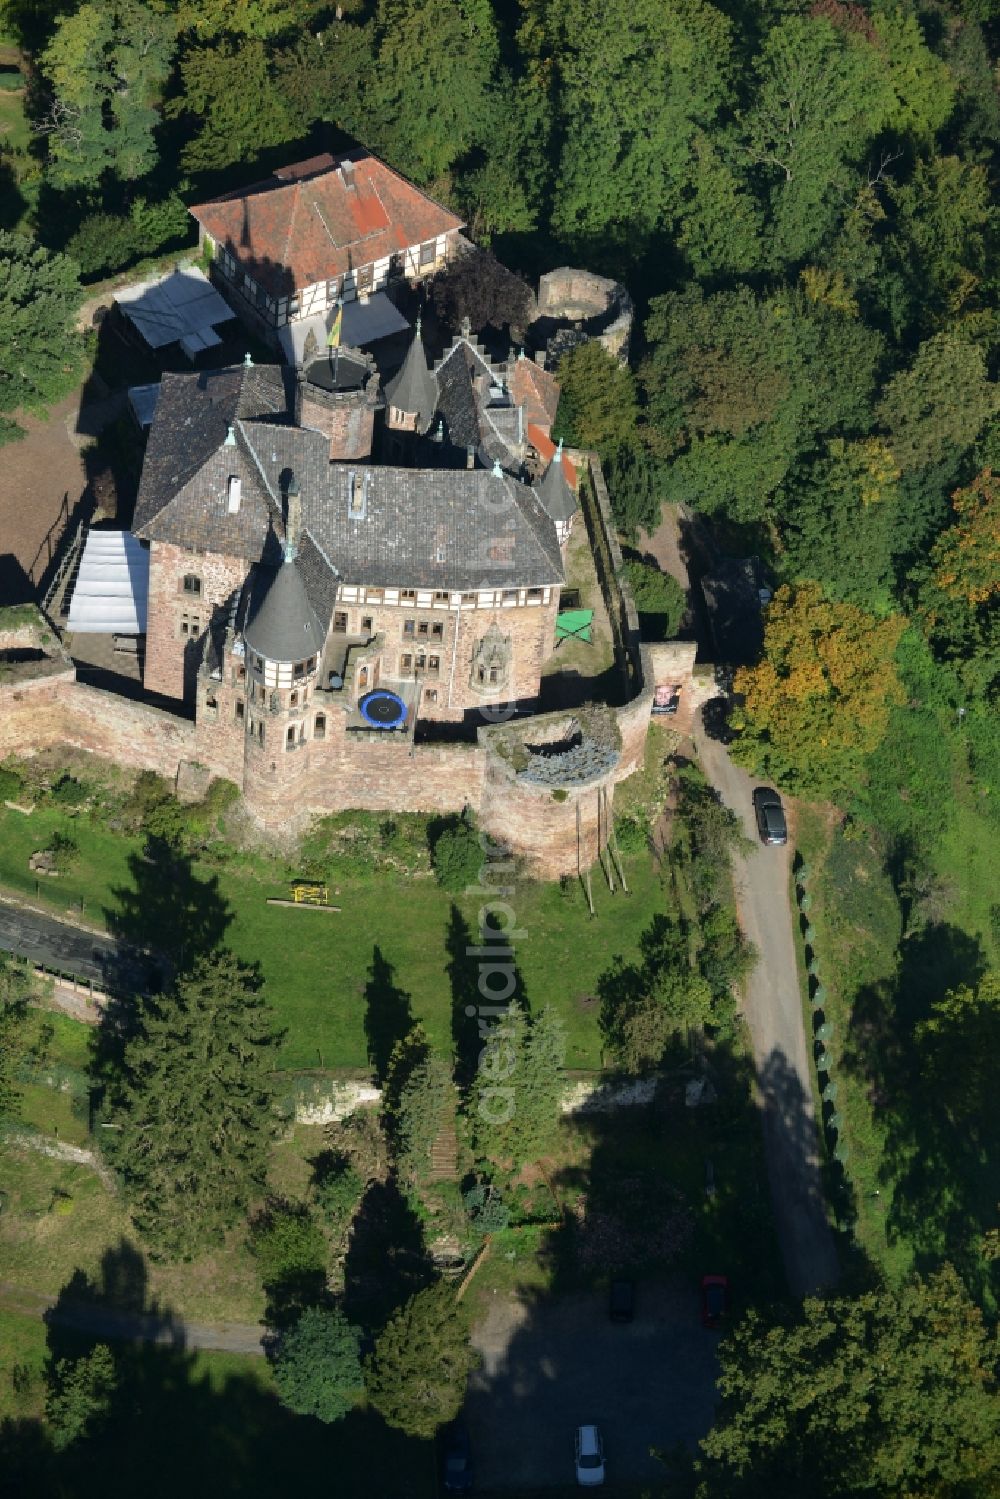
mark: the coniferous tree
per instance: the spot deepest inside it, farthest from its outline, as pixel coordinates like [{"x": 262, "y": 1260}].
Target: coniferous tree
[
  {"x": 417, "y": 1374},
  {"x": 518, "y": 1086},
  {"x": 193, "y": 1106}
]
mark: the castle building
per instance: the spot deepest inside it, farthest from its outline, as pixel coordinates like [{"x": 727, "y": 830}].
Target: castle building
[
  {"x": 288, "y": 580},
  {"x": 321, "y": 231}
]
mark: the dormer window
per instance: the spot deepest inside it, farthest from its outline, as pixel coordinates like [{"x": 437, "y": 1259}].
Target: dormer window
[
  {"x": 234, "y": 487},
  {"x": 357, "y": 493}
]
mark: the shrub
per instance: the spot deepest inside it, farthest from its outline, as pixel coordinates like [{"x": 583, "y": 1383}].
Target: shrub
[
  {"x": 337, "y": 1191},
  {"x": 65, "y": 851},
  {"x": 291, "y": 1252},
  {"x": 68, "y": 791},
  {"x": 632, "y": 834},
  {"x": 659, "y": 598},
  {"x": 456, "y": 854},
  {"x": 11, "y": 784},
  {"x": 486, "y": 1210},
  {"x": 560, "y": 794}
]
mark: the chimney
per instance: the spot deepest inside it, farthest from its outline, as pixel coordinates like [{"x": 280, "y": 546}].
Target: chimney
[
  {"x": 347, "y": 175},
  {"x": 293, "y": 514},
  {"x": 234, "y": 487}
]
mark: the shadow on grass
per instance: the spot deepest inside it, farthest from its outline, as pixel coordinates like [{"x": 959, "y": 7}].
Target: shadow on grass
[
  {"x": 932, "y": 1095},
  {"x": 388, "y": 1016},
  {"x": 387, "y": 1261},
  {"x": 168, "y": 918},
  {"x": 177, "y": 1422},
  {"x": 471, "y": 965}
]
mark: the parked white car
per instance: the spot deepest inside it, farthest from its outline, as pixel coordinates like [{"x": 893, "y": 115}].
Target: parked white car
[{"x": 589, "y": 1457}]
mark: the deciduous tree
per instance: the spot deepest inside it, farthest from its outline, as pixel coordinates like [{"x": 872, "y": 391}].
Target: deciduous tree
[
  {"x": 17, "y": 987},
  {"x": 317, "y": 1365},
  {"x": 40, "y": 350},
  {"x": 106, "y": 66},
  {"x": 598, "y": 405},
  {"x": 937, "y": 406},
  {"x": 819, "y": 701},
  {"x": 80, "y": 1395},
  {"x": 887, "y": 1393}
]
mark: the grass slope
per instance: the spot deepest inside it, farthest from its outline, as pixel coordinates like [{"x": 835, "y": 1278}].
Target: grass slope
[{"x": 319, "y": 967}]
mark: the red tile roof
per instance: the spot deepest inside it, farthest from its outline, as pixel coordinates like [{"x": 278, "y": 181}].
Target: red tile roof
[
  {"x": 320, "y": 218},
  {"x": 546, "y": 450},
  {"x": 536, "y": 390}
]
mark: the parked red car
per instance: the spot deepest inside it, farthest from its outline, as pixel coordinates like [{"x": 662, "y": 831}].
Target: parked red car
[{"x": 714, "y": 1299}]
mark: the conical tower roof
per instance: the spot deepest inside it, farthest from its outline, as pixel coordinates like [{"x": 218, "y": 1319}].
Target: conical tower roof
[
  {"x": 554, "y": 492},
  {"x": 413, "y": 388},
  {"x": 283, "y": 625}
]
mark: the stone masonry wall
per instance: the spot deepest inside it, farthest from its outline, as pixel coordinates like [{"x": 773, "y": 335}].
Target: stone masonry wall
[
  {"x": 172, "y": 657},
  {"x": 347, "y": 419},
  {"x": 532, "y": 631}
]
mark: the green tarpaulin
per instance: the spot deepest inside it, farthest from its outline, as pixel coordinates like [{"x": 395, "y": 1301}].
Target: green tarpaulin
[{"x": 574, "y": 624}]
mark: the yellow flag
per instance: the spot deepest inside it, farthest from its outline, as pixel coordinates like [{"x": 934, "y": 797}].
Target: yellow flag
[{"x": 333, "y": 338}]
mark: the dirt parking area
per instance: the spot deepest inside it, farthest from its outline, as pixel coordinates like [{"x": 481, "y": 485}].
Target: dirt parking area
[
  {"x": 550, "y": 1365},
  {"x": 43, "y": 478}
]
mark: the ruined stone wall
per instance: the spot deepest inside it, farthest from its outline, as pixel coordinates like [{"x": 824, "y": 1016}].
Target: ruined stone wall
[
  {"x": 172, "y": 656},
  {"x": 58, "y": 710}
]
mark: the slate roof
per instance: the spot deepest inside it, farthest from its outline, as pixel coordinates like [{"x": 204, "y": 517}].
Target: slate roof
[
  {"x": 305, "y": 224},
  {"x": 555, "y": 495},
  {"x": 183, "y": 493},
  {"x": 434, "y": 528},
  {"x": 282, "y": 623},
  {"x": 463, "y": 375},
  {"x": 413, "y": 388}
]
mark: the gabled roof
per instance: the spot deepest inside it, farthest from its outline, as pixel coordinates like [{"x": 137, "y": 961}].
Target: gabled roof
[
  {"x": 425, "y": 528},
  {"x": 413, "y": 389},
  {"x": 464, "y": 374},
  {"x": 536, "y": 390},
  {"x": 183, "y": 493},
  {"x": 281, "y": 623},
  {"x": 320, "y": 219},
  {"x": 433, "y": 528}
]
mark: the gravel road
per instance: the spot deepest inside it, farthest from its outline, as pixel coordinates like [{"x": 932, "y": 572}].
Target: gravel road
[{"x": 773, "y": 1009}]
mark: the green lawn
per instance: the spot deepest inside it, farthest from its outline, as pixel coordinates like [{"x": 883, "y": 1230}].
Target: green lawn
[{"x": 319, "y": 967}]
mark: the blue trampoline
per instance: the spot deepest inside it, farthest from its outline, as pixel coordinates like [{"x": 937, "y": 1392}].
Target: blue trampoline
[{"x": 382, "y": 709}]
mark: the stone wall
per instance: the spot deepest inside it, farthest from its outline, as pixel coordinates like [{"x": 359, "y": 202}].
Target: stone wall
[
  {"x": 171, "y": 656},
  {"x": 346, "y": 418},
  {"x": 531, "y": 628},
  {"x": 602, "y": 306},
  {"x": 58, "y": 710}
]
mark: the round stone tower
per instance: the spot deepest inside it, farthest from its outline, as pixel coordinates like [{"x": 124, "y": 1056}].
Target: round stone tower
[
  {"x": 283, "y": 642},
  {"x": 337, "y": 395}
]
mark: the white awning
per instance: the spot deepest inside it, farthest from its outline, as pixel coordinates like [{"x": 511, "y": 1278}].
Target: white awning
[
  {"x": 111, "y": 592},
  {"x": 181, "y": 307}
]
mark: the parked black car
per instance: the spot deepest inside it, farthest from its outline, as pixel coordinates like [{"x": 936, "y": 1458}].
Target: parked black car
[
  {"x": 621, "y": 1303},
  {"x": 457, "y": 1458},
  {"x": 770, "y": 815}
]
